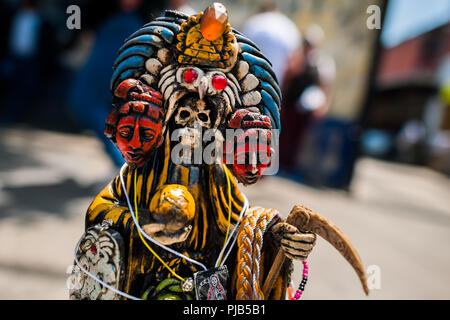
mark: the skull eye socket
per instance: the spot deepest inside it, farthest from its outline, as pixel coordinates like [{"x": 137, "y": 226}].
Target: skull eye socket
[
  {"x": 184, "y": 114},
  {"x": 203, "y": 117},
  {"x": 219, "y": 82},
  {"x": 190, "y": 76}
]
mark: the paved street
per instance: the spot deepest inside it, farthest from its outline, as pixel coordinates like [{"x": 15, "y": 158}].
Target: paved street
[{"x": 397, "y": 216}]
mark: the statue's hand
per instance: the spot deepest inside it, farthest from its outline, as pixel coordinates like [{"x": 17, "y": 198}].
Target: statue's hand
[{"x": 295, "y": 244}]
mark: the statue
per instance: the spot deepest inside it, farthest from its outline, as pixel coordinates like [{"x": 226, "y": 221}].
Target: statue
[{"x": 174, "y": 225}]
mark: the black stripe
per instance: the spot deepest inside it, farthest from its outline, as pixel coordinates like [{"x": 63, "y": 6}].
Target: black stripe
[{"x": 296, "y": 249}]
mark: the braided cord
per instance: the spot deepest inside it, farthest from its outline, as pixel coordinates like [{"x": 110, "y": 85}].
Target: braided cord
[
  {"x": 245, "y": 239},
  {"x": 250, "y": 242},
  {"x": 265, "y": 216}
]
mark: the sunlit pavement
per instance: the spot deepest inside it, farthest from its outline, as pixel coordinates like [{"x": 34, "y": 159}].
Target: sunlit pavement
[{"x": 397, "y": 216}]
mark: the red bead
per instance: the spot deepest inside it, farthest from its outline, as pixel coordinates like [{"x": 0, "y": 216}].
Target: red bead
[
  {"x": 94, "y": 249},
  {"x": 219, "y": 82},
  {"x": 190, "y": 76}
]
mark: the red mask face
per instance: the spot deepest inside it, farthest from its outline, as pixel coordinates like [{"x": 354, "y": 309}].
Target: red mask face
[
  {"x": 136, "y": 137},
  {"x": 251, "y": 159}
]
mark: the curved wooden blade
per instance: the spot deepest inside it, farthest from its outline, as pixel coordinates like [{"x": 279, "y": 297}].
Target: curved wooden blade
[{"x": 307, "y": 220}]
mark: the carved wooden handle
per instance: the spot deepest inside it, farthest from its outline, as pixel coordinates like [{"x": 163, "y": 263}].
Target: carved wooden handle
[
  {"x": 273, "y": 273},
  {"x": 307, "y": 220}
]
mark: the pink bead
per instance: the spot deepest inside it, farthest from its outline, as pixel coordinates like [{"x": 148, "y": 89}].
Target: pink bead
[{"x": 298, "y": 294}]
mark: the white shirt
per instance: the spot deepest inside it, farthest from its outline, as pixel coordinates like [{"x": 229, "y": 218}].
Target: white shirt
[{"x": 277, "y": 37}]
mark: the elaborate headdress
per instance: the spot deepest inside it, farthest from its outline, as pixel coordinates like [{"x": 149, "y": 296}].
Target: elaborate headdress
[{"x": 205, "y": 40}]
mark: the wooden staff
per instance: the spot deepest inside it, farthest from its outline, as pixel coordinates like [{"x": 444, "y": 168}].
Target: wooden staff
[{"x": 308, "y": 221}]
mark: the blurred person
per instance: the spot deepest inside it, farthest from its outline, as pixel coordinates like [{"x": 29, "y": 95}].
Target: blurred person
[
  {"x": 275, "y": 34},
  {"x": 89, "y": 97},
  {"x": 307, "y": 92},
  {"x": 31, "y": 48}
]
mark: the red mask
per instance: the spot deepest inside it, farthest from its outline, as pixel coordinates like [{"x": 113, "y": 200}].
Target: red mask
[
  {"x": 250, "y": 158},
  {"x": 137, "y": 136}
]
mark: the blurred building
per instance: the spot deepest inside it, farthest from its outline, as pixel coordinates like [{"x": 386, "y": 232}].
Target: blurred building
[{"x": 409, "y": 108}]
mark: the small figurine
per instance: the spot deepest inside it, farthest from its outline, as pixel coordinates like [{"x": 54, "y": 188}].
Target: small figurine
[{"x": 169, "y": 227}]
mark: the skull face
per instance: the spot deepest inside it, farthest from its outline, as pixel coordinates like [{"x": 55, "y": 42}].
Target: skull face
[
  {"x": 193, "y": 112},
  {"x": 193, "y": 119}
]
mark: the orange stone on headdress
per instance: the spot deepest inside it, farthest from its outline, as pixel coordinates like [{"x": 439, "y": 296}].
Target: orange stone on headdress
[{"x": 214, "y": 21}]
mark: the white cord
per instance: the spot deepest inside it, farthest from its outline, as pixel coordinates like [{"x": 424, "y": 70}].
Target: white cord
[
  {"x": 232, "y": 245},
  {"x": 97, "y": 279},
  {"x": 182, "y": 256},
  {"x": 244, "y": 209}
]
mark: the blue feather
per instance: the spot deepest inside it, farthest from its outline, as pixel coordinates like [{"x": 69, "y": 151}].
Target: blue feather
[
  {"x": 148, "y": 39},
  {"x": 236, "y": 32},
  {"x": 133, "y": 63},
  {"x": 174, "y": 27},
  {"x": 271, "y": 106},
  {"x": 264, "y": 63},
  {"x": 163, "y": 32},
  {"x": 244, "y": 39},
  {"x": 142, "y": 50},
  {"x": 267, "y": 112},
  {"x": 263, "y": 74},
  {"x": 118, "y": 78},
  {"x": 246, "y": 48},
  {"x": 171, "y": 19},
  {"x": 269, "y": 88},
  {"x": 130, "y": 62}
]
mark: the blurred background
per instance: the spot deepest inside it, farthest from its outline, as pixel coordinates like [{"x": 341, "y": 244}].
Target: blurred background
[{"x": 365, "y": 139}]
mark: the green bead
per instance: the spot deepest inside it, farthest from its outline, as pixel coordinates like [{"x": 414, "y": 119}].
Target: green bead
[
  {"x": 167, "y": 282},
  {"x": 175, "y": 288},
  {"x": 147, "y": 292}
]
